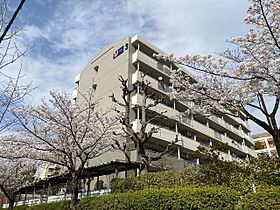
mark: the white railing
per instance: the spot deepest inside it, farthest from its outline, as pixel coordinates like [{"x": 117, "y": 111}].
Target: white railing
[
  {"x": 218, "y": 135},
  {"x": 186, "y": 120},
  {"x": 163, "y": 87},
  {"x": 216, "y": 119},
  {"x": 55, "y": 198},
  {"x": 235, "y": 130},
  {"x": 228, "y": 126},
  {"x": 247, "y": 136},
  {"x": 75, "y": 93},
  {"x": 163, "y": 68}
]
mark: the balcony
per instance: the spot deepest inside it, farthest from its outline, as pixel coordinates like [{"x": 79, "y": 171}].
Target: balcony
[
  {"x": 251, "y": 152},
  {"x": 74, "y": 94},
  {"x": 236, "y": 145},
  {"x": 163, "y": 87},
  {"x": 187, "y": 143},
  {"x": 155, "y": 84},
  {"x": 239, "y": 121},
  {"x": 195, "y": 125},
  {"x": 221, "y": 122},
  {"x": 218, "y": 135},
  {"x": 204, "y": 145},
  {"x": 247, "y": 137},
  {"x": 216, "y": 119},
  {"x": 77, "y": 78},
  {"x": 236, "y": 131},
  {"x": 163, "y": 68},
  {"x": 139, "y": 56},
  {"x": 239, "y": 133},
  {"x": 225, "y": 156},
  {"x": 160, "y": 108},
  {"x": 167, "y": 135},
  {"x": 186, "y": 120}
]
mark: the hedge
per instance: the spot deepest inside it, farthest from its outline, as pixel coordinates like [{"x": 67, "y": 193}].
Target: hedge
[
  {"x": 176, "y": 198},
  {"x": 236, "y": 176},
  {"x": 167, "y": 179},
  {"x": 24, "y": 207},
  {"x": 268, "y": 198},
  {"x": 61, "y": 205}
]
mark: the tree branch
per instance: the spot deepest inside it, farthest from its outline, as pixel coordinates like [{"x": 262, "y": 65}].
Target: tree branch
[{"x": 11, "y": 21}]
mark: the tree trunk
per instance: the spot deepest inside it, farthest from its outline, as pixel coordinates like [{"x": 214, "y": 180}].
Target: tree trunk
[
  {"x": 276, "y": 139},
  {"x": 88, "y": 186},
  {"x": 11, "y": 203},
  {"x": 9, "y": 196},
  {"x": 145, "y": 168},
  {"x": 74, "y": 191}
]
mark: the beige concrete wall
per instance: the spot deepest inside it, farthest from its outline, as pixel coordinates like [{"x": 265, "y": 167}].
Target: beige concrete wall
[
  {"x": 106, "y": 80},
  {"x": 106, "y": 76}
]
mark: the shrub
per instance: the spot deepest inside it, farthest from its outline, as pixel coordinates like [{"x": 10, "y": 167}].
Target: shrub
[
  {"x": 236, "y": 176},
  {"x": 265, "y": 171},
  {"x": 23, "y": 207},
  {"x": 167, "y": 179},
  {"x": 227, "y": 174},
  {"x": 176, "y": 198},
  {"x": 264, "y": 199},
  {"x": 61, "y": 205}
]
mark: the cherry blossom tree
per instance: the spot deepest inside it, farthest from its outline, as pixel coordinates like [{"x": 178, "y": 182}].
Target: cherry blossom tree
[
  {"x": 12, "y": 91},
  {"x": 245, "y": 81},
  {"x": 65, "y": 133},
  {"x": 14, "y": 174},
  {"x": 143, "y": 135}
]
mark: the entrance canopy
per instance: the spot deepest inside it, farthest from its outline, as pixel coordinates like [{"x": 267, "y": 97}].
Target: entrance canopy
[{"x": 94, "y": 171}]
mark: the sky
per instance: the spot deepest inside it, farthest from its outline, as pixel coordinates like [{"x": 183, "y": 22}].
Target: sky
[{"x": 66, "y": 34}]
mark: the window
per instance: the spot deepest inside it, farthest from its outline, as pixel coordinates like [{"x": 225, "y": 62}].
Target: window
[
  {"x": 94, "y": 86},
  {"x": 96, "y": 68}
]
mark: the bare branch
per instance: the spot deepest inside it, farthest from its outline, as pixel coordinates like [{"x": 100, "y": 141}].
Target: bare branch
[{"x": 12, "y": 20}]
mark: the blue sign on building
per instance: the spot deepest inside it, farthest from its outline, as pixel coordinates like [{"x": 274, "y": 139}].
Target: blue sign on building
[{"x": 120, "y": 51}]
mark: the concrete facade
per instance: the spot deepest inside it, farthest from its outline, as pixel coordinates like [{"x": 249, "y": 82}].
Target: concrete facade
[
  {"x": 132, "y": 56},
  {"x": 48, "y": 170}
]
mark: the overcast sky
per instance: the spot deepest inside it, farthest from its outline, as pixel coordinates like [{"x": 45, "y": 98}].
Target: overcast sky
[{"x": 68, "y": 33}]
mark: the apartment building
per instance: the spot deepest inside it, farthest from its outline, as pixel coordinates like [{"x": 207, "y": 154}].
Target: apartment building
[
  {"x": 130, "y": 58},
  {"x": 264, "y": 145},
  {"x": 47, "y": 170}
]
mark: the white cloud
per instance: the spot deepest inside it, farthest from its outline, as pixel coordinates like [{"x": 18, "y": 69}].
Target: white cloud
[
  {"x": 74, "y": 31},
  {"x": 194, "y": 26}
]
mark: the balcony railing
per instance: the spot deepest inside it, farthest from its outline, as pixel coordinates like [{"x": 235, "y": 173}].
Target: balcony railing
[
  {"x": 246, "y": 136},
  {"x": 163, "y": 68},
  {"x": 235, "y": 130},
  {"x": 218, "y": 135},
  {"x": 186, "y": 120},
  {"x": 228, "y": 126},
  {"x": 204, "y": 145},
  {"x": 216, "y": 119},
  {"x": 164, "y": 87}
]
